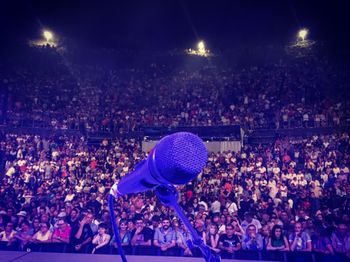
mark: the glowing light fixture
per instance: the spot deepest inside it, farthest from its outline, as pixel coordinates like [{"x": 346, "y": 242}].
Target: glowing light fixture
[
  {"x": 48, "y": 35},
  {"x": 303, "y": 34},
  {"x": 200, "y": 51}
]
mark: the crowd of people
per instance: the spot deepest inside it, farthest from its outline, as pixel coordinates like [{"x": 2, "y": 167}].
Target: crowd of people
[
  {"x": 52, "y": 91},
  {"x": 292, "y": 195}
]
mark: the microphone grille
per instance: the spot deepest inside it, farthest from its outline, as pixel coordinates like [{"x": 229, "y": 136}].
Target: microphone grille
[{"x": 180, "y": 157}]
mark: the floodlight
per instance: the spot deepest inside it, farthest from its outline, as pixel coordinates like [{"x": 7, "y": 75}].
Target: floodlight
[
  {"x": 201, "y": 45},
  {"x": 302, "y": 34},
  {"x": 48, "y": 35}
]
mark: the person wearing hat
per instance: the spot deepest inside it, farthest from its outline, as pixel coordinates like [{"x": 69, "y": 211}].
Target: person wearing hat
[
  {"x": 62, "y": 215},
  {"x": 22, "y": 215},
  {"x": 24, "y": 235},
  {"x": 3, "y": 212}
]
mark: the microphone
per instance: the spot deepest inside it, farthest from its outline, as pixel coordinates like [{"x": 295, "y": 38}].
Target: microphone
[{"x": 176, "y": 159}]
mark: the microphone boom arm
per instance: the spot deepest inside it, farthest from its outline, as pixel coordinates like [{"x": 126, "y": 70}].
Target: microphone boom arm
[{"x": 168, "y": 195}]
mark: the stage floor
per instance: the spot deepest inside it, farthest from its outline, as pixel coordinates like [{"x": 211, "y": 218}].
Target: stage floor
[{"x": 12, "y": 256}]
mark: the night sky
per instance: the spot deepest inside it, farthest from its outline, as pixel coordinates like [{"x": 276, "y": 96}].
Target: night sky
[{"x": 175, "y": 24}]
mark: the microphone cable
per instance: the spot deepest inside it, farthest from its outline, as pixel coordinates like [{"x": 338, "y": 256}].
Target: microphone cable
[{"x": 115, "y": 227}]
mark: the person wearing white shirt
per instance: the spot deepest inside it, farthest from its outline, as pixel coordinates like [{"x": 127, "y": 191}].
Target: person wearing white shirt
[
  {"x": 283, "y": 190},
  {"x": 215, "y": 206},
  {"x": 101, "y": 240},
  {"x": 276, "y": 170},
  {"x": 8, "y": 234},
  {"x": 43, "y": 235},
  {"x": 203, "y": 203},
  {"x": 231, "y": 207},
  {"x": 249, "y": 220}
]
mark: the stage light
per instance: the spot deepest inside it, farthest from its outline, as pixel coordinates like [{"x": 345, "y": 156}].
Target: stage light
[
  {"x": 201, "y": 45},
  {"x": 200, "y": 51},
  {"x": 48, "y": 35},
  {"x": 303, "y": 34}
]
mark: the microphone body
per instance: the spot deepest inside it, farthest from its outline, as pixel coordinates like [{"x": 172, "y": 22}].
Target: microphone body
[{"x": 176, "y": 159}]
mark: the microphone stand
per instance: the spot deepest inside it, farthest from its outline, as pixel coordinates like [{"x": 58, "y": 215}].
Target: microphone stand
[{"x": 168, "y": 195}]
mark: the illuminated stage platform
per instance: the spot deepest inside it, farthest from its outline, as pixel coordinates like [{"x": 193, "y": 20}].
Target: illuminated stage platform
[{"x": 12, "y": 256}]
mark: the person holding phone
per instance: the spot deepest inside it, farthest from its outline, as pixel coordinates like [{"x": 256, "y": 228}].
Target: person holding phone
[
  {"x": 82, "y": 234},
  {"x": 252, "y": 240}
]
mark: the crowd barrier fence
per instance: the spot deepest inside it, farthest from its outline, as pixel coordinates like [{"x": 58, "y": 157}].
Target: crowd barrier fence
[{"x": 176, "y": 251}]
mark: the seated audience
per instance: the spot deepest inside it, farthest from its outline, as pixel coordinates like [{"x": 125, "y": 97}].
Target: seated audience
[
  {"x": 252, "y": 240},
  {"x": 278, "y": 241},
  {"x": 229, "y": 242},
  {"x": 299, "y": 240},
  {"x": 101, "y": 240}
]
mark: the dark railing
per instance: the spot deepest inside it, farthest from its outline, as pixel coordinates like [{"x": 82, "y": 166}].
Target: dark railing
[
  {"x": 263, "y": 136},
  {"x": 176, "y": 251},
  {"x": 211, "y": 133},
  {"x": 291, "y": 123},
  {"x": 232, "y": 131}
]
